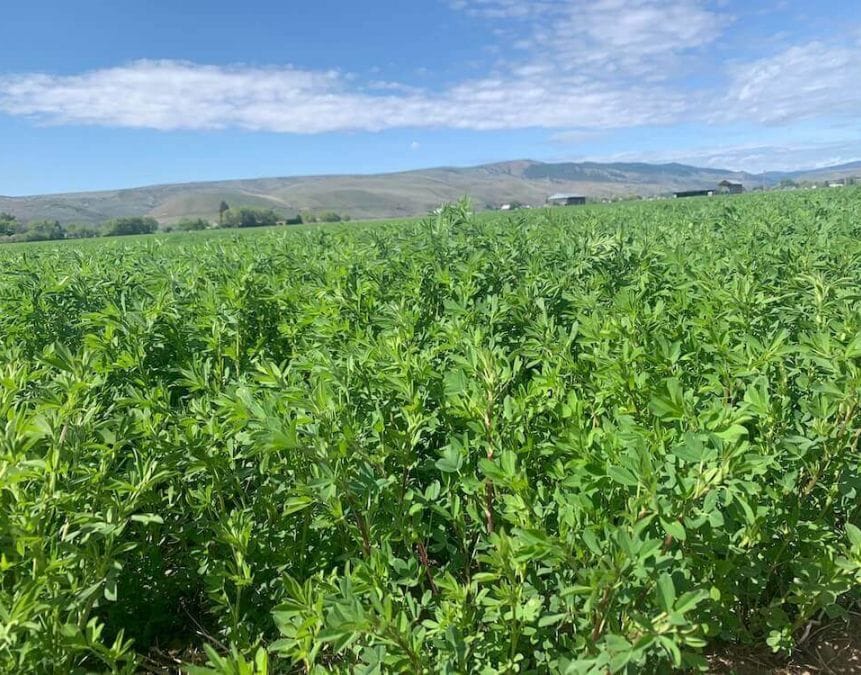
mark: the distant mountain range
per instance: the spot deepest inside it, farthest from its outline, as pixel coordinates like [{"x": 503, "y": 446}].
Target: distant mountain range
[{"x": 405, "y": 193}]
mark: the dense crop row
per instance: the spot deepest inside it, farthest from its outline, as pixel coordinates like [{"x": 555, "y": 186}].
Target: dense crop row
[{"x": 577, "y": 440}]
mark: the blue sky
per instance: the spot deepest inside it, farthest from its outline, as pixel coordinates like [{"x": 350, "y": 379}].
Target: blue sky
[{"x": 101, "y": 94}]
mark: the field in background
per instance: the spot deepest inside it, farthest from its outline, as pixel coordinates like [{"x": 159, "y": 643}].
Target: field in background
[
  {"x": 576, "y": 440},
  {"x": 172, "y": 239}
]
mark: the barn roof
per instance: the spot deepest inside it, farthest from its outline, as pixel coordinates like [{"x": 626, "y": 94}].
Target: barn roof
[{"x": 559, "y": 195}]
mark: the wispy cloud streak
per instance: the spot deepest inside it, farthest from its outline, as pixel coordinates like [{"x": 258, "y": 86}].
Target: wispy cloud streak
[{"x": 606, "y": 64}]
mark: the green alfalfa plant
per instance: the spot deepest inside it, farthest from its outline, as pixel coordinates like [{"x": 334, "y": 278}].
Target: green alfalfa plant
[
  {"x": 450, "y": 216},
  {"x": 666, "y": 422},
  {"x": 234, "y": 662}
]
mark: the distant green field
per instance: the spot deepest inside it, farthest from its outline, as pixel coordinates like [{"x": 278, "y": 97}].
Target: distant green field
[
  {"x": 584, "y": 440},
  {"x": 183, "y": 238}
]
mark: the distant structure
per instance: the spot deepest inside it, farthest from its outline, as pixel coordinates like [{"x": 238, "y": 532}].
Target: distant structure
[
  {"x": 837, "y": 183},
  {"x": 566, "y": 200},
  {"x": 514, "y": 206},
  {"x": 693, "y": 193},
  {"x": 730, "y": 187},
  {"x": 725, "y": 187}
]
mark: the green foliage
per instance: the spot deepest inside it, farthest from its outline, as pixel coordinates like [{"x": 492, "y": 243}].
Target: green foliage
[
  {"x": 8, "y": 224},
  {"x": 585, "y": 441},
  {"x": 250, "y": 217},
  {"x": 46, "y": 230},
  {"x": 129, "y": 225},
  {"x": 39, "y": 230},
  {"x": 191, "y": 225},
  {"x": 324, "y": 217},
  {"x": 82, "y": 231}
]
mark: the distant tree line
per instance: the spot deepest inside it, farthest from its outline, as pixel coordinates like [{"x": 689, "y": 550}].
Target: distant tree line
[
  {"x": 250, "y": 217},
  {"x": 12, "y": 229},
  {"x": 325, "y": 217},
  {"x": 245, "y": 216}
]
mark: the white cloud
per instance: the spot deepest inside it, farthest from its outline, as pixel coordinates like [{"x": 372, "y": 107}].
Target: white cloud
[
  {"x": 415, "y": 145},
  {"x": 608, "y": 38},
  {"x": 506, "y": 9},
  {"x": 385, "y": 85},
  {"x": 169, "y": 95},
  {"x": 801, "y": 82},
  {"x": 588, "y": 66},
  {"x": 750, "y": 156},
  {"x": 180, "y": 95},
  {"x": 577, "y": 135}
]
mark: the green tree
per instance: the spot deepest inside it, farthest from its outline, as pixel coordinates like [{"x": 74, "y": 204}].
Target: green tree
[
  {"x": 40, "y": 230},
  {"x": 82, "y": 231},
  {"x": 8, "y": 224},
  {"x": 250, "y": 217},
  {"x": 118, "y": 227},
  {"x": 222, "y": 209}
]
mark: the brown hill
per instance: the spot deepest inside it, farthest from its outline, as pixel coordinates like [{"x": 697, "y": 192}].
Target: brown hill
[{"x": 404, "y": 193}]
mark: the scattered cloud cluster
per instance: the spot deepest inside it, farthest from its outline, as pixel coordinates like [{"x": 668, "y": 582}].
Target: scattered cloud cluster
[
  {"x": 801, "y": 82},
  {"x": 169, "y": 95},
  {"x": 595, "y": 65},
  {"x": 753, "y": 157},
  {"x": 610, "y": 39}
]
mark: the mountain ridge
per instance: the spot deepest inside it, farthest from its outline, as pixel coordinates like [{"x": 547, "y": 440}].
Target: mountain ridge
[{"x": 397, "y": 193}]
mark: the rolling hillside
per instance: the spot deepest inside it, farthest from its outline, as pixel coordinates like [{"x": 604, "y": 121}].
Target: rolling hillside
[{"x": 405, "y": 193}]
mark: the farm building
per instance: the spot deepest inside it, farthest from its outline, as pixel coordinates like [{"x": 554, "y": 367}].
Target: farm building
[
  {"x": 730, "y": 187},
  {"x": 565, "y": 200},
  {"x": 694, "y": 193}
]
